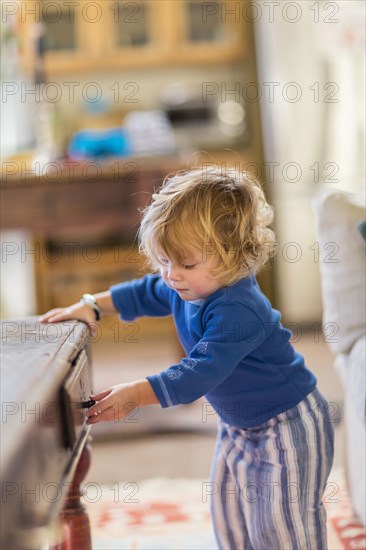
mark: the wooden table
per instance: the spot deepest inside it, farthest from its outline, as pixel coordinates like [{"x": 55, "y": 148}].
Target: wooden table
[
  {"x": 45, "y": 380},
  {"x": 81, "y": 195}
]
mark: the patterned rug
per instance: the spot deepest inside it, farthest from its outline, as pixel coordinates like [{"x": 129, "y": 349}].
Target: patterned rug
[
  {"x": 345, "y": 531},
  {"x": 173, "y": 514}
]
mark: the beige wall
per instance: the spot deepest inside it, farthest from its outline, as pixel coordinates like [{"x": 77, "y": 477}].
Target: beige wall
[{"x": 310, "y": 133}]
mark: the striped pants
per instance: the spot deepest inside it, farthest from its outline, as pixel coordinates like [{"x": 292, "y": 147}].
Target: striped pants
[{"x": 267, "y": 482}]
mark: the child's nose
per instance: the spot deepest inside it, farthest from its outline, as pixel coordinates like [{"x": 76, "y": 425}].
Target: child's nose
[{"x": 174, "y": 273}]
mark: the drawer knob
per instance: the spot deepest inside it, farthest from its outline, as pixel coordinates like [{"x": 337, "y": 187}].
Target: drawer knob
[{"x": 87, "y": 404}]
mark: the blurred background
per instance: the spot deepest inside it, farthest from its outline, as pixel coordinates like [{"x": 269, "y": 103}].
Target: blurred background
[
  {"x": 101, "y": 100},
  {"x": 275, "y": 89}
]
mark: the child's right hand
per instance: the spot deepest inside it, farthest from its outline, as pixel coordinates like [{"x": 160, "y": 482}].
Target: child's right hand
[{"x": 78, "y": 311}]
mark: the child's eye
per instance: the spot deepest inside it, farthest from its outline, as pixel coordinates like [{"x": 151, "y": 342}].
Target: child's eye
[
  {"x": 189, "y": 266},
  {"x": 163, "y": 261}
]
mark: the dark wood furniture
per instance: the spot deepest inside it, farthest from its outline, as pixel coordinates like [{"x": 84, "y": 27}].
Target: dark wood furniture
[
  {"x": 72, "y": 205},
  {"x": 45, "y": 383},
  {"x": 81, "y": 196},
  {"x": 83, "y": 218}
]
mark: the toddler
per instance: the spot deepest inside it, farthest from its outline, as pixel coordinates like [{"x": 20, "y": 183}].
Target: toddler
[{"x": 206, "y": 235}]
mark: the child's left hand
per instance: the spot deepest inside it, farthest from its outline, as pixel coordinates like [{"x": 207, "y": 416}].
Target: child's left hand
[{"x": 113, "y": 404}]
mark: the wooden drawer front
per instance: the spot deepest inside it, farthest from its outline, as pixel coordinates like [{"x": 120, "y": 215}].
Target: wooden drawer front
[
  {"x": 76, "y": 389},
  {"x": 91, "y": 268},
  {"x": 33, "y": 488}
]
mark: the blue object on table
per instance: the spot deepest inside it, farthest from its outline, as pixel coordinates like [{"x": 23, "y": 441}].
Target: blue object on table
[{"x": 99, "y": 143}]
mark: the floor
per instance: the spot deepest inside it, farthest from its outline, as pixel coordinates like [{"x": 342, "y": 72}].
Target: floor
[{"x": 176, "y": 442}]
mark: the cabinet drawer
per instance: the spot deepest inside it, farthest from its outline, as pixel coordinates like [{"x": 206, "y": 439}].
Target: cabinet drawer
[{"x": 76, "y": 389}]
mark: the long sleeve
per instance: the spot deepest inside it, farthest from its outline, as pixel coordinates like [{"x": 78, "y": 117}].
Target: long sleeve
[
  {"x": 238, "y": 354},
  {"x": 148, "y": 296},
  {"x": 232, "y": 331}
]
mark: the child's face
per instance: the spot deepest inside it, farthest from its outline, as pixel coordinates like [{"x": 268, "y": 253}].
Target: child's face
[{"x": 193, "y": 280}]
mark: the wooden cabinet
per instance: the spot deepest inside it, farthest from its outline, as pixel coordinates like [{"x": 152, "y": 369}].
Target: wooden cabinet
[
  {"x": 64, "y": 272},
  {"x": 69, "y": 41},
  {"x": 46, "y": 383},
  {"x": 207, "y": 32},
  {"x": 116, "y": 34},
  {"x": 78, "y": 226},
  {"x": 72, "y": 214}
]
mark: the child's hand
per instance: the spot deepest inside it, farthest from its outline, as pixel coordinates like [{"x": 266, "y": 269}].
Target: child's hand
[
  {"x": 113, "y": 404},
  {"x": 78, "y": 311}
]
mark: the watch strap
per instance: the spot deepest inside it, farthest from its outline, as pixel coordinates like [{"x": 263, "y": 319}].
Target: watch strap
[{"x": 90, "y": 301}]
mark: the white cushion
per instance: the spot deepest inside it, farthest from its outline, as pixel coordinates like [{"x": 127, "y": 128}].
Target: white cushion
[
  {"x": 356, "y": 385},
  {"x": 356, "y": 458},
  {"x": 342, "y": 265},
  {"x": 340, "y": 365}
]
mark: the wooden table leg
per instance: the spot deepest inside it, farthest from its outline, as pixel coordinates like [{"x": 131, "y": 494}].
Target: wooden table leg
[{"x": 74, "y": 517}]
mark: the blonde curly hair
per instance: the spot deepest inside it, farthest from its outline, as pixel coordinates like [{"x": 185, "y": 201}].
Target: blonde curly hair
[{"x": 221, "y": 213}]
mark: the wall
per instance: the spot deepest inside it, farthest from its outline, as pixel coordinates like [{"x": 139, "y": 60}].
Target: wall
[{"x": 313, "y": 128}]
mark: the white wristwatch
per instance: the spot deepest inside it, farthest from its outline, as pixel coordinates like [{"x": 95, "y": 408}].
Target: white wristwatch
[{"x": 90, "y": 301}]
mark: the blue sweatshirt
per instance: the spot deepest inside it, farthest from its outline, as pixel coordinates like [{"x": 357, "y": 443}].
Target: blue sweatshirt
[{"x": 238, "y": 354}]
